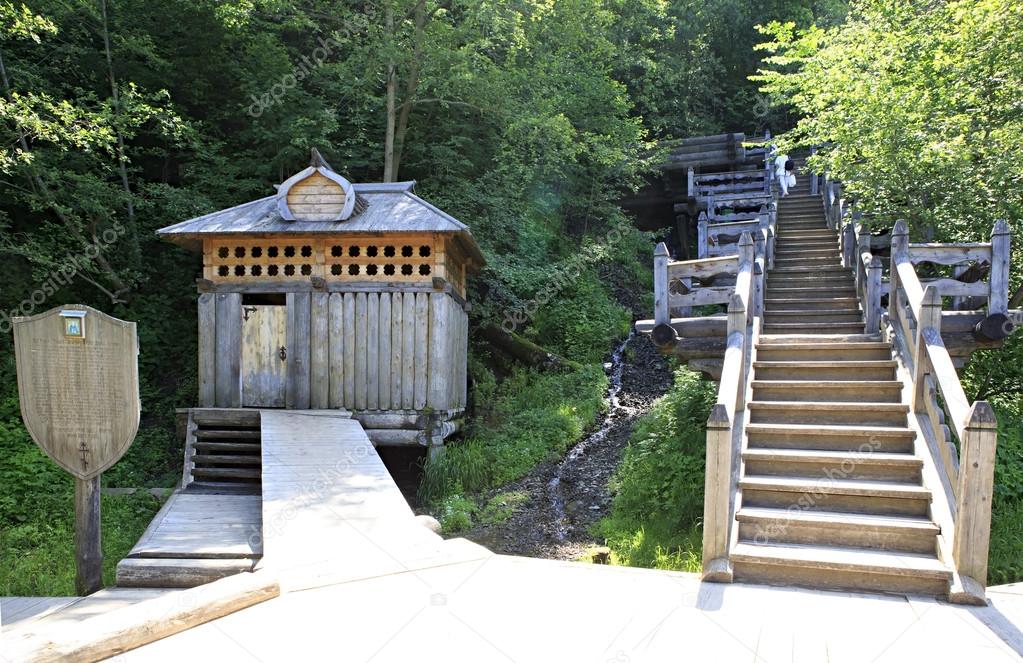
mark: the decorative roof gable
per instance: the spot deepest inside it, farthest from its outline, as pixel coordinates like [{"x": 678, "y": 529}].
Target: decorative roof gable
[{"x": 317, "y": 193}]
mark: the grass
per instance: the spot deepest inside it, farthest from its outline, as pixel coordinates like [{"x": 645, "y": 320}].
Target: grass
[
  {"x": 502, "y": 506},
  {"x": 655, "y": 517},
  {"x": 37, "y": 557}
]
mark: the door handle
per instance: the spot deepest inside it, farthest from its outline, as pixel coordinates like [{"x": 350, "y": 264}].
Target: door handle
[{"x": 283, "y": 353}]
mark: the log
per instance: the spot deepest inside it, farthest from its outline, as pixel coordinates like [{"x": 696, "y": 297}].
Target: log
[
  {"x": 526, "y": 352},
  {"x": 994, "y": 327},
  {"x": 664, "y": 336}
]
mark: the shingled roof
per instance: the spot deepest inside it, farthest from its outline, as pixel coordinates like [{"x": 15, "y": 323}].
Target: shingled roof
[{"x": 383, "y": 208}]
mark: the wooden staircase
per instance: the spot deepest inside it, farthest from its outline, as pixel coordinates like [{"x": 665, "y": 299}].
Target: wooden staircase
[{"x": 830, "y": 490}]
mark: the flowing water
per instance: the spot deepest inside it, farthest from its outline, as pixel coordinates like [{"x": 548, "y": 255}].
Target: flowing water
[{"x": 557, "y": 499}]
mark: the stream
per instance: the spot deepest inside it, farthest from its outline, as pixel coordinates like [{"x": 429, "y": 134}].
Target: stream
[{"x": 561, "y": 525}]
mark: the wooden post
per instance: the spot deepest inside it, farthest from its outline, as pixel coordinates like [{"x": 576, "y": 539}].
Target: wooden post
[
  {"x": 929, "y": 318},
  {"x": 900, "y": 247},
  {"x": 710, "y": 206},
  {"x": 973, "y": 497},
  {"x": 662, "y": 312},
  {"x": 716, "y": 498},
  {"x": 849, "y": 245},
  {"x": 998, "y": 300},
  {"x": 737, "y": 321},
  {"x": 873, "y": 302},
  {"x": 88, "y": 548},
  {"x": 691, "y": 182},
  {"x": 702, "y": 248}
]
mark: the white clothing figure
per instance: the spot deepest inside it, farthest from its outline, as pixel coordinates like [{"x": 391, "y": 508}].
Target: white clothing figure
[{"x": 780, "y": 174}]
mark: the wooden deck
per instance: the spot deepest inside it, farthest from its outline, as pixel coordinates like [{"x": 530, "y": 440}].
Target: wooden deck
[{"x": 329, "y": 503}]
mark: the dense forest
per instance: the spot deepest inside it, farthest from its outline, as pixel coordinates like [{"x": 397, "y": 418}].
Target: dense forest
[{"x": 527, "y": 120}]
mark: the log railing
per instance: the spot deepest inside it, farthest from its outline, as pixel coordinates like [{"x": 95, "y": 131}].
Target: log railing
[
  {"x": 914, "y": 313},
  {"x": 726, "y": 424}
]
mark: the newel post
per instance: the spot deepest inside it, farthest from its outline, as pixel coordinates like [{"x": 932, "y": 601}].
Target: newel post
[
  {"x": 900, "y": 249},
  {"x": 998, "y": 300},
  {"x": 849, "y": 245},
  {"x": 691, "y": 182},
  {"x": 973, "y": 501},
  {"x": 813, "y": 175},
  {"x": 702, "y": 249},
  {"x": 716, "y": 498},
  {"x": 873, "y": 302},
  {"x": 928, "y": 324},
  {"x": 662, "y": 313}
]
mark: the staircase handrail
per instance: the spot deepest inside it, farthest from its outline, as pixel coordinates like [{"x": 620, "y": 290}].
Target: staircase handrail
[
  {"x": 725, "y": 425},
  {"x": 914, "y": 312}
]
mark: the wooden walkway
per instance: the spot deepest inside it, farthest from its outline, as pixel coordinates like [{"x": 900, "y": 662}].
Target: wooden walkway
[{"x": 330, "y": 507}]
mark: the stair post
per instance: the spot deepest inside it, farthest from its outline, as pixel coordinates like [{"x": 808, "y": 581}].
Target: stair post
[
  {"x": 973, "y": 502},
  {"x": 662, "y": 312},
  {"x": 691, "y": 182},
  {"x": 716, "y": 498},
  {"x": 873, "y": 300},
  {"x": 701, "y": 237},
  {"x": 849, "y": 245},
  {"x": 998, "y": 299},
  {"x": 900, "y": 247},
  {"x": 928, "y": 323},
  {"x": 812, "y": 175}
]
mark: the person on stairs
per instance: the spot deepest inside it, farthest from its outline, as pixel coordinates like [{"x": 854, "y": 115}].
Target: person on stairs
[{"x": 781, "y": 163}]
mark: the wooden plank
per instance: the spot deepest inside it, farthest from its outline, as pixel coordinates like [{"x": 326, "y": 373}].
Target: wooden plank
[
  {"x": 702, "y": 296},
  {"x": 299, "y": 304},
  {"x": 229, "y": 350},
  {"x": 422, "y": 349},
  {"x": 438, "y": 361},
  {"x": 397, "y": 330},
  {"x": 949, "y": 254},
  {"x": 384, "y": 352},
  {"x": 349, "y": 350},
  {"x": 207, "y": 349},
  {"x": 361, "y": 326},
  {"x": 112, "y": 633},
  {"x": 953, "y": 288},
  {"x": 372, "y": 351},
  {"x": 335, "y": 352},
  {"x": 998, "y": 300},
  {"x": 408, "y": 351},
  {"x": 319, "y": 353},
  {"x": 703, "y": 268}
]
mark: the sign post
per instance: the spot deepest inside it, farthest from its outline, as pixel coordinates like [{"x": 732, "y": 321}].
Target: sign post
[{"x": 79, "y": 391}]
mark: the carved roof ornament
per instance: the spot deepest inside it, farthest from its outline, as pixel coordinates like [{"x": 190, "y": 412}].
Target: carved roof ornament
[{"x": 317, "y": 193}]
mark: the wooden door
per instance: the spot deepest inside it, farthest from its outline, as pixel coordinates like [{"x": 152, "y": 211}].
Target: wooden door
[{"x": 264, "y": 356}]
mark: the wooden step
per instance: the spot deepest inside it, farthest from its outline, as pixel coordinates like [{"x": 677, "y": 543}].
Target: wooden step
[
  {"x": 819, "y": 328},
  {"x": 836, "y": 290},
  {"x": 221, "y": 459},
  {"x": 807, "y": 463},
  {"x": 825, "y": 370},
  {"x": 838, "y": 391},
  {"x": 773, "y": 304},
  {"x": 836, "y": 494},
  {"x": 807, "y": 261},
  {"x": 820, "y": 253},
  {"x": 809, "y": 271},
  {"x": 799, "y": 247},
  {"x": 215, "y": 473},
  {"x": 828, "y": 413},
  {"x": 840, "y": 568},
  {"x": 212, "y": 434},
  {"x": 863, "y": 439},
  {"x": 166, "y": 572},
  {"x": 813, "y": 318},
  {"x": 809, "y": 351},
  {"x": 830, "y": 528},
  {"x": 240, "y": 447}
]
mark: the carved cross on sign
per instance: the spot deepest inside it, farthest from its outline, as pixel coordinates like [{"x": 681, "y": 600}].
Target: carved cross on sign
[{"x": 83, "y": 449}]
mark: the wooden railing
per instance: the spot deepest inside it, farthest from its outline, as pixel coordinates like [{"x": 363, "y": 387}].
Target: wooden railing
[
  {"x": 721, "y": 238},
  {"x": 739, "y": 182},
  {"x": 914, "y": 313},
  {"x": 726, "y": 424}
]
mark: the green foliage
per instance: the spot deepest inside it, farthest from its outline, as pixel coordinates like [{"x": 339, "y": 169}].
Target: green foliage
[
  {"x": 37, "y": 557},
  {"x": 455, "y": 513},
  {"x": 583, "y": 323},
  {"x": 502, "y": 506},
  {"x": 655, "y": 517}
]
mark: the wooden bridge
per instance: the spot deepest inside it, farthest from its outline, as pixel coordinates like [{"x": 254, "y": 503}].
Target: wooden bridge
[
  {"x": 293, "y": 490},
  {"x": 842, "y": 451}
]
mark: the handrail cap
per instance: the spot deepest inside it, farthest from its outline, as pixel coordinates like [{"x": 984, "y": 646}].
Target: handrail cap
[{"x": 981, "y": 416}]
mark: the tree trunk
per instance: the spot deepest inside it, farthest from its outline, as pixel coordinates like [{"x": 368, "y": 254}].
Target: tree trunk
[
  {"x": 411, "y": 85},
  {"x": 524, "y": 351},
  {"x": 122, "y": 160},
  {"x": 392, "y": 84}
]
